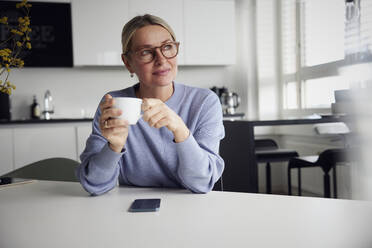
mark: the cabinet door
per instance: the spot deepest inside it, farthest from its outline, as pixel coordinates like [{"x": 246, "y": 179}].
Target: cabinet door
[
  {"x": 97, "y": 29},
  {"x": 169, "y": 10},
  {"x": 6, "y": 150},
  {"x": 83, "y": 132},
  {"x": 209, "y": 32},
  {"x": 35, "y": 143}
]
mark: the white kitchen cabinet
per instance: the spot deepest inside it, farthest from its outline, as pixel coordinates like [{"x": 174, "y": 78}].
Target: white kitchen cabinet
[
  {"x": 34, "y": 143},
  {"x": 97, "y": 29},
  {"x": 205, "y": 29},
  {"x": 6, "y": 150},
  {"x": 82, "y": 134},
  {"x": 209, "y": 32},
  {"x": 169, "y": 10}
]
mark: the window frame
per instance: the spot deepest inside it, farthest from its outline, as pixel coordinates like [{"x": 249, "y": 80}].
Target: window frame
[{"x": 302, "y": 72}]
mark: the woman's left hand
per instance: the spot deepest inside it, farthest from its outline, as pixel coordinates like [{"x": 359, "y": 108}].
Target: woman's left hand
[{"x": 157, "y": 114}]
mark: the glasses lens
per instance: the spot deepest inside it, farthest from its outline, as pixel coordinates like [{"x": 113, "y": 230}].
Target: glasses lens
[
  {"x": 145, "y": 55},
  {"x": 169, "y": 50}
]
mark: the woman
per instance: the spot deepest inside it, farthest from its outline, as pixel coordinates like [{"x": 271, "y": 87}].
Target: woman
[{"x": 176, "y": 142}]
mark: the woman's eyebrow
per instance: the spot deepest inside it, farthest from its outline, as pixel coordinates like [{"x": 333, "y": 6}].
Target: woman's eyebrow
[{"x": 150, "y": 46}]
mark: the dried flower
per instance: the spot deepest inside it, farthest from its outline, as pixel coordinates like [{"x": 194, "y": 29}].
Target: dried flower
[{"x": 17, "y": 40}]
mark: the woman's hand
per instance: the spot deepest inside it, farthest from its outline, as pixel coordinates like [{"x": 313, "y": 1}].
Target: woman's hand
[
  {"x": 157, "y": 114},
  {"x": 114, "y": 130}
]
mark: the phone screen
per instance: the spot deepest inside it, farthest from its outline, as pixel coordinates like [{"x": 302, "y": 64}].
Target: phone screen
[{"x": 145, "y": 205}]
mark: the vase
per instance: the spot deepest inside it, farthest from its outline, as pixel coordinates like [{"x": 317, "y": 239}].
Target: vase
[{"x": 4, "y": 106}]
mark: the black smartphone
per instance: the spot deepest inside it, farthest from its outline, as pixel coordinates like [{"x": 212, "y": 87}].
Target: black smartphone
[{"x": 145, "y": 205}]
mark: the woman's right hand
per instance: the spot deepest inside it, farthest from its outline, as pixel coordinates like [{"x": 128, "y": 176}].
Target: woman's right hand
[{"x": 114, "y": 130}]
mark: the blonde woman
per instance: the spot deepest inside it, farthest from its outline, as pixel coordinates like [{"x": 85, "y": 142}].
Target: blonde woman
[{"x": 176, "y": 142}]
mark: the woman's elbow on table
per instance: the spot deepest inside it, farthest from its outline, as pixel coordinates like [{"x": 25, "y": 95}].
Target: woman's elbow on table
[
  {"x": 202, "y": 182},
  {"x": 91, "y": 188}
]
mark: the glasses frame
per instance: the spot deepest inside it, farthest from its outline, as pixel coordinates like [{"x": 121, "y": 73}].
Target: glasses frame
[{"x": 153, "y": 51}]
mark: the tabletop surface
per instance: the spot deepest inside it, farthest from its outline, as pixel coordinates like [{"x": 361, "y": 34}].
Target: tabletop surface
[{"x": 62, "y": 214}]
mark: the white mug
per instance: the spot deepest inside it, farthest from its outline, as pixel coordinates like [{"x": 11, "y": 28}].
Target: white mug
[{"x": 130, "y": 107}]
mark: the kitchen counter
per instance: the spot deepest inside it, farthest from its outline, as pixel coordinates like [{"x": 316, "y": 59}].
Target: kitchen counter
[{"x": 42, "y": 121}]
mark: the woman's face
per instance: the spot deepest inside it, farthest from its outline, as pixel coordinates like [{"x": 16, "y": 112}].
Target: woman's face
[{"x": 159, "y": 72}]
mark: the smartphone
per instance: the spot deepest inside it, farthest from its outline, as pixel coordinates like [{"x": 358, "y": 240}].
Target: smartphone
[{"x": 145, "y": 205}]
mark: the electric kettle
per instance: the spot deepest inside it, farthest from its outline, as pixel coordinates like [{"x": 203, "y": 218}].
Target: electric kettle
[{"x": 230, "y": 101}]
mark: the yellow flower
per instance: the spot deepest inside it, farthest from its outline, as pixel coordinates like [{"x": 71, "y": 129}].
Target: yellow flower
[
  {"x": 18, "y": 35},
  {"x": 4, "y": 20}
]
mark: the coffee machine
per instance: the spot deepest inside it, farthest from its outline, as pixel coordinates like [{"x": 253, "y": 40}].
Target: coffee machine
[{"x": 230, "y": 101}]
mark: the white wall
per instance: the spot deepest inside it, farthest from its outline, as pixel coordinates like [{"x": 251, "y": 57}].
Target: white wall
[{"x": 77, "y": 91}]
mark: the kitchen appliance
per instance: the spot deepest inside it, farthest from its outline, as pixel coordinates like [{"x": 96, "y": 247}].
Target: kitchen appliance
[{"x": 230, "y": 102}]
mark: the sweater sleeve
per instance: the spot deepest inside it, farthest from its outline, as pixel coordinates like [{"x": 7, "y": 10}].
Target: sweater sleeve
[
  {"x": 99, "y": 168},
  {"x": 200, "y": 165}
]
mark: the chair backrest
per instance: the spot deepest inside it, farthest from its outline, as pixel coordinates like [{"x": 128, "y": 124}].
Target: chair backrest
[
  {"x": 265, "y": 144},
  {"x": 53, "y": 169},
  {"x": 328, "y": 158}
]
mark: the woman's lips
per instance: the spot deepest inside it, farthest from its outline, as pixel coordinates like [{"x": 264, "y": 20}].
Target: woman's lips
[{"x": 161, "y": 72}]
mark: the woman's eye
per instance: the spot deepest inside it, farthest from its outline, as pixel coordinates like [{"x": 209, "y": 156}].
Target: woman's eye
[
  {"x": 145, "y": 52},
  {"x": 168, "y": 47}
]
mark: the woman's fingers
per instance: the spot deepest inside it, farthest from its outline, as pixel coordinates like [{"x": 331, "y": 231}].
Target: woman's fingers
[
  {"x": 148, "y": 103},
  {"x": 107, "y": 103},
  {"x": 149, "y": 113},
  {"x": 110, "y": 113},
  {"x": 153, "y": 120},
  {"x": 115, "y": 123}
]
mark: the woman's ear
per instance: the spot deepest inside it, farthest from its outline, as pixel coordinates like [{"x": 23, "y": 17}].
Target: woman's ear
[{"x": 126, "y": 62}]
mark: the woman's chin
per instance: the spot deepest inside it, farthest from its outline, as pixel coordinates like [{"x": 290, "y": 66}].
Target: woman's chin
[{"x": 162, "y": 81}]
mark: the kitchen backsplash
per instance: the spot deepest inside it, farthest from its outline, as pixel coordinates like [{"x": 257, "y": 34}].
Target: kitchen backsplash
[{"x": 77, "y": 91}]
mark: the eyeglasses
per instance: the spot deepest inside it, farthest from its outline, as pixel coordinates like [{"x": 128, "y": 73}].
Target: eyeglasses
[{"x": 146, "y": 55}]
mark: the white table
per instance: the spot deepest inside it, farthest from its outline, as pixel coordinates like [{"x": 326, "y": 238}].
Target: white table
[{"x": 62, "y": 214}]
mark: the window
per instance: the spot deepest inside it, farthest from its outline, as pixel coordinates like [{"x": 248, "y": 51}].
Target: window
[{"x": 312, "y": 50}]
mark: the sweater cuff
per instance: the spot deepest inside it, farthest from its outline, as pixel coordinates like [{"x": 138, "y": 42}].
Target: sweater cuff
[
  {"x": 189, "y": 145},
  {"x": 108, "y": 157}
]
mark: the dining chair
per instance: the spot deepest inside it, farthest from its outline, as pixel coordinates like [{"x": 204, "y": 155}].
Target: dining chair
[
  {"x": 52, "y": 169},
  {"x": 267, "y": 151},
  {"x": 327, "y": 160}
]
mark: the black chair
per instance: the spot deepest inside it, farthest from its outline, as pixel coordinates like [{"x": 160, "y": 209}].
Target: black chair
[
  {"x": 327, "y": 160},
  {"x": 52, "y": 169},
  {"x": 268, "y": 151}
]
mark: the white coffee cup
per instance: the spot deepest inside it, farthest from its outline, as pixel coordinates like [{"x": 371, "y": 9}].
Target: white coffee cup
[{"x": 130, "y": 107}]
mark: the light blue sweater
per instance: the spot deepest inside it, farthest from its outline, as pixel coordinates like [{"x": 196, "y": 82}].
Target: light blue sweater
[{"x": 151, "y": 158}]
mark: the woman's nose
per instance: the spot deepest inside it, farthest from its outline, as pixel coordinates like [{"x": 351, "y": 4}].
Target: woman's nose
[{"x": 159, "y": 57}]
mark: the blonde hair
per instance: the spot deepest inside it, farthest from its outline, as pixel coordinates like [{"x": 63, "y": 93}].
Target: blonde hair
[{"x": 138, "y": 22}]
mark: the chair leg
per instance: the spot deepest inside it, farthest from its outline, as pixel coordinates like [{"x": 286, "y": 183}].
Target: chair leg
[
  {"x": 327, "y": 190},
  {"x": 289, "y": 180},
  {"x": 299, "y": 182},
  {"x": 334, "y": 182},
  {"x": 268, "y": 178}
]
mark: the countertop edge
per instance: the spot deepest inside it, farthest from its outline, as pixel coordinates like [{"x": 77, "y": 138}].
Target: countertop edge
[{"x": 42, "y": 121}]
